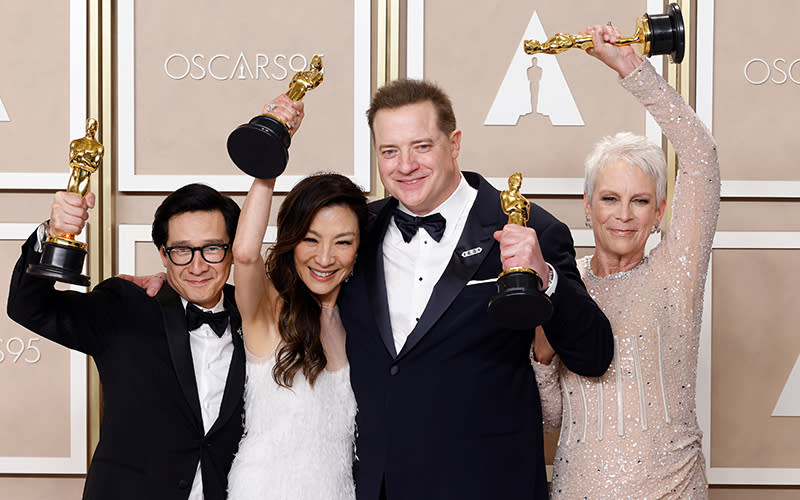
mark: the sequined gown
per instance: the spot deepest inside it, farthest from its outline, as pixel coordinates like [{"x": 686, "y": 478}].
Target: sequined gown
[
  {"x": 298, "y": 442},
  {"x": 633, "y": 433}
]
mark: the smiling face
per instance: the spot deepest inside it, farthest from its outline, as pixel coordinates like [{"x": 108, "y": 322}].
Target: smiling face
[
  {"x": 198, "y": 282},
  {"x": 416, "y": 159},
  {"x": 327, "y": 253},
  {"x": 623, "y": 211}
]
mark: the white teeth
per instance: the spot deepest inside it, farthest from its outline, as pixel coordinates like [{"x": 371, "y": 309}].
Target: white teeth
[{"x": 322, "y": 275}]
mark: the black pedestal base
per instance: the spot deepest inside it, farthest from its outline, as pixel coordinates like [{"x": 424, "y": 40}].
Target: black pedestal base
[
  {"x": 519, "y": 303},
  {"x": 61, "y": 263},
  {"x": 260, "y": 148},
  {"x": 667, "y": 34}
]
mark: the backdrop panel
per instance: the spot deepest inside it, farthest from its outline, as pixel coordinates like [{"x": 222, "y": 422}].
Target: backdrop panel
[
  {"x": 189, "y": 73},
  {"x": 749, "y": 378},
  {"x": 42, "y": 389},
  {"x": 42, "y": 91},
  {"x": 748, "y": 89},
  {"x": 536, "y": 115}
]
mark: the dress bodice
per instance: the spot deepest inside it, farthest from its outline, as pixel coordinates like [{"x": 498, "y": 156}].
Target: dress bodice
[{"x": 298, "y": 442}]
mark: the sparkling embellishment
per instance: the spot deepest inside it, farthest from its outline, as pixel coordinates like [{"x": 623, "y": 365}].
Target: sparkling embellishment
[{"x": 647, "y": 443}]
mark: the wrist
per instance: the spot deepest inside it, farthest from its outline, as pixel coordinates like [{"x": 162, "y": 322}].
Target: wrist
[
  {"x": 552, "y": 281},
  {"x": 629, "y": 64}
]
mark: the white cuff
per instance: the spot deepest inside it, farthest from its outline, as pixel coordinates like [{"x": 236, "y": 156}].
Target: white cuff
[
  {"x": 551, "y": 286},
  {"x": 41, "y": 236}
]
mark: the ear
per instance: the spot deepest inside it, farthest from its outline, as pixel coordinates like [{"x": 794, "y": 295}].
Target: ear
[
  {"x": 455, "y": 143},
  {"x": 585, "y": 204},
  {"x": 661, "y": 209},
  {"x": 163, "y": 255}
]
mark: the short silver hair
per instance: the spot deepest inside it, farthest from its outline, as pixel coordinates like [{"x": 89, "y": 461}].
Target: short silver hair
[{"x": 632, "y": 149}]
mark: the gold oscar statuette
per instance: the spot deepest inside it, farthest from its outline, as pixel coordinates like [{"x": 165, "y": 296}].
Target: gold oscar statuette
[
  {"x": 260, "y": 148},
  {"x": 63, "y": 256},
  {"x": 520, "y": 303},
  {"x": 657, "y": 34}
]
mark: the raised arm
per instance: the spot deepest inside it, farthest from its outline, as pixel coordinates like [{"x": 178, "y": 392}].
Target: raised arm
[
  {"x": 256, "y": 298},
  {"x": 253, "y": 289},
  {"x": 66, "y": 317}
]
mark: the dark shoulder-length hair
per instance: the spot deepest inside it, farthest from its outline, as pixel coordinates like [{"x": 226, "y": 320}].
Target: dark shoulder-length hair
[{"x": 298, "y": 321}]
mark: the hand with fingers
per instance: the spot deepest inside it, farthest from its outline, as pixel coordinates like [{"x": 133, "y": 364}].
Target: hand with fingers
[
  {"x": 519, "y": 248},
  {"x": 621, "y": 58},
  {"x": 69, "y": 212},
  {"x": 289, "y": 112}
]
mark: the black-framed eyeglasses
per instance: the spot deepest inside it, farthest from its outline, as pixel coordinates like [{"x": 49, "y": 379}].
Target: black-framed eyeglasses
[{"x": 213, "y": 253}]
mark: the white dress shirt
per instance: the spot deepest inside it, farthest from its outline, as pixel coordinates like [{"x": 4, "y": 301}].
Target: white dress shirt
[
  {"x": 211, "y": 358},
  {"x": 412, "y": 269}
]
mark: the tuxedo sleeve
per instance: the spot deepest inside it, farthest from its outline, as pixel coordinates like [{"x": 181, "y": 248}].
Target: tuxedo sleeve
[
  {"x": 578, "y": 330},
  {"x": 66, "y": 317}
]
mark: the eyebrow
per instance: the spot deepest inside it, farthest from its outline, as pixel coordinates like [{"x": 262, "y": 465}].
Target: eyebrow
[
  {"x": 347, "y": 233},
  {"x": 634, "y": 195},
  {"x": 188, "y": 243},
  {"x": 413, "y": 143}
]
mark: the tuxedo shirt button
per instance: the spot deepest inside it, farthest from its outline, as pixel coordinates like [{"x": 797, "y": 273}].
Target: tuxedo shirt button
[
  {"x": 394, "y": 370},
  {"x": 183, "y": 484}
]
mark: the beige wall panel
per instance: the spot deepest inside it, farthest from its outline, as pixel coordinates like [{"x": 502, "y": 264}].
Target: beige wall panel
[
  {"x": 567, "y": 210},
  {"x": 42, "y": 387},
  {"x": 35, "y": 420},
  {"x": 34, "y": 86},
  {"x": 41, "y": 488},
  {"x": 759, "y": 215},
  {"x": 201, "y": 71},
  {"x": 550, "y": 445},
  {"x": 25, "y": 207},
  {"x": 756, "y": 124},
  {"x": 754, "y": 347},
  {"x": 754, "y": 493},
  {"x": 471, "y": 58},
  {"x": 148, "y": 260}
]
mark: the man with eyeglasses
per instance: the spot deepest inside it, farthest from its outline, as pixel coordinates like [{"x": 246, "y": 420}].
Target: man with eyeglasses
[{"x": 172, "y": 367}]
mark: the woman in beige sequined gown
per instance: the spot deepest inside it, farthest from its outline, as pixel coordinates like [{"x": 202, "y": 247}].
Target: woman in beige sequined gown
[{"x": 633, "y": 433}]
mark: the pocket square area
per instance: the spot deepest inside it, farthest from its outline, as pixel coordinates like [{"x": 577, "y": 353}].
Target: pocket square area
[{"x": 480, "y": 282}]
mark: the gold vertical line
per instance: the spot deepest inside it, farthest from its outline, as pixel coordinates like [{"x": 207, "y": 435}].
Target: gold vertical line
[
  {"x": 388, "y": 60},
  {"x": 109, "y": 133},
  {"x": 383, "y": 63},
  {"x": 679, "y": 76},
  {"x": 98, "y": 251},
  {"x": 382, "y": 43},
  {"x": 393, "y": 34}
]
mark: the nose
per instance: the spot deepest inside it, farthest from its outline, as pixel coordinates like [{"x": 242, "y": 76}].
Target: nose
[
  {"x": 198, "y": 265},
  {"x": 325, "y": 256},
  {"x": 625, "y": 213},
  {"x": 407, "y": 163}
]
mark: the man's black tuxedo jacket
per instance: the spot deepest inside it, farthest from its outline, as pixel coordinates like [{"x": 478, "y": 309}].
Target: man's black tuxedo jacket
[
  {"x": 151, "y": 435},
  {"x": 456, "y": 414}
]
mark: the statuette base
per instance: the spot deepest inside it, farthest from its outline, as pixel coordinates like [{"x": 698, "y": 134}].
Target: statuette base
[
  {"x": 260, "y": 148},
  {"x": 61, "y": 263},
  {"x": 519, "y": 303}
]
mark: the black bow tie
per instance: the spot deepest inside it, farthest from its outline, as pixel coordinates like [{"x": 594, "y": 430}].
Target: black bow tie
[
  {"x": 409, "y": 224},
  {"x": 195, "y": 317}
]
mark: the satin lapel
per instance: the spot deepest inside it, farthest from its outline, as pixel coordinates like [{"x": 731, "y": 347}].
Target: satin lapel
[
  {"x": 234, "y": 384},
  {"x": 174, "y": 320},
  {"x": 376, "y": 277},
  {"x": 483, "y": 220}
]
